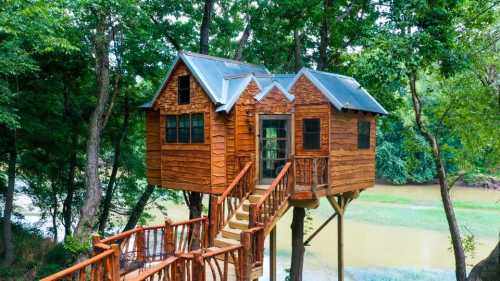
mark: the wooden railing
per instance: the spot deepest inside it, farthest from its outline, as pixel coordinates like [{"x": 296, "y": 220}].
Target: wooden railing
[
  {"x": 225, "y": 206},
  {"x": 104, "y": 266},
  {"x": 266, "y": 209},
  {"x": 311, "y": 171},
  {"x": 164, "y": 271},
  {"x": 187, "y": 236},
  {"x": 252, "y": 241}
]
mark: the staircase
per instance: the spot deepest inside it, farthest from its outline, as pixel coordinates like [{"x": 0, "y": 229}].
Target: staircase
[{"x": 231, "y": 233}]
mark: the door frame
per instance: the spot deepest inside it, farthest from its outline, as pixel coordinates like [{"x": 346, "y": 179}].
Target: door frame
[{"x": 290, "y": 144}]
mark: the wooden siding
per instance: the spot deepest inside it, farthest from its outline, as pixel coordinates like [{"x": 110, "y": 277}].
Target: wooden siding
[
  {"x": 185, "y": 166},
  {"x": 218, "y": 152},
  {"x": 153, "y": 147},
  {"x": 310, "y": 103},
  {"x": 274, "y": 102},
  {"x": 351, "y": 168}
]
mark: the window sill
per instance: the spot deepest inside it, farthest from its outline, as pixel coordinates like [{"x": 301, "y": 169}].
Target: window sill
[{"x": 186, "y": 146}]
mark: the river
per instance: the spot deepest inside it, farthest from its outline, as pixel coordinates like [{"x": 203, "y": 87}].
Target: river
[{"x": 391, "y": 233}]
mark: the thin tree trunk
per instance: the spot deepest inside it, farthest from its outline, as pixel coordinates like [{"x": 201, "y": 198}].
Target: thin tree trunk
[
  {"x": 325, "y": 28},
  {"x": 297, "y": 244},
  {"x": 297, "y": 50},
  {"x": 103, "y": 219},
  {"x": 205, "y": 26},
  {"x": 55, "y": 210},
  {"x": 136, "y": 212},
  {"x": 92, "y": 199},
  {"x": 243, "y": 41},
  {"x": 8, "y": 256},
  {"x": 70, "y": 190},
  {"x": 458, "y": 250}
]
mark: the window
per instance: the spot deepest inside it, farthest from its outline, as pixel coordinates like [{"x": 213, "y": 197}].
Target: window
[
  {"x": 183, "y": 128},
  {"x": 311, "y": 133},
  {"x": 183, "y": 93},
  {"x": 197, "y": 128},
  {"x": 171, "y": 129},
  {"x": 363, "y": 134}
]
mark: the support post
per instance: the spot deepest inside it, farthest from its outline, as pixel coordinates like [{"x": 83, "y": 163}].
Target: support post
[
  {"x": 169, "y": 238},
  {"x": 140, "y": 244},
  {"x": 246, "y": 269},
  {"x": 272, "y": 255},
  {"x": 340, "y": 239},
  {"x": 116, "y": 263},
  {"x": 213, "y": 217},
  {"x": 198, "y": 270}
]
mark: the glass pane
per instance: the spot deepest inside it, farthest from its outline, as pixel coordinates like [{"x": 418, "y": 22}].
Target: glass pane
[
  {"x": 311, "y": 125},
  {"x": 171, "y": 129},
  {"x": 183, "y": 90},
  {"x": 184, "y": 128},
  {"x": 271, "y": 168},
  {"x": 363, "y": 134},
  {"x": 197, "y": 135}
]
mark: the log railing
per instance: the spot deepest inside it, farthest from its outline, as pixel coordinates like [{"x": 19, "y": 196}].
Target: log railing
[
  {"x": 252, "y": 241},
  {"x": 225, "y": 206},
  {"x": 311, "y": 171},
  {"x": 164, "y": 271},
  {"x": 266, "y": 209},
  {"x": 186, "y": 236},
  {"x": 104, "y": 266}
]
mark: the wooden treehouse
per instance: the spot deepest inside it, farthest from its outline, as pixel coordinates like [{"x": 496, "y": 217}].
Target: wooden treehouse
[{"x": 257, "y": 143}]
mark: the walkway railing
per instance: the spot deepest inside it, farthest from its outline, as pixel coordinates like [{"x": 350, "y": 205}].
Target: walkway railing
[
  {"x": 104, "y": 266},
  {"x": 266, "y": 209},
  {"x": 233, "y": 197},
  {"x": 311, "y": 171}
]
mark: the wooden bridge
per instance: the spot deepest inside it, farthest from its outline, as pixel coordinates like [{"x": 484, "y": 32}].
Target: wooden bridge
[{"x": 227, "y": 246}]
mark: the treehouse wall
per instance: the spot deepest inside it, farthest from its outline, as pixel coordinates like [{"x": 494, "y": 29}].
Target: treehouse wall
[
  {"x": 351, "y": 168},
  {"x": 310, "y": 103},
  {"x": 153, "y": 147},
  {"x": 188, "y": 166}
]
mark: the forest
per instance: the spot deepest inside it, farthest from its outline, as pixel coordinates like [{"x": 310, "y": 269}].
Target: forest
[{"x": 74, "y": 73}]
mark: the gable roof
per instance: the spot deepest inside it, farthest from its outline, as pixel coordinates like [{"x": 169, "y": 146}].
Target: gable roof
[
  {"x": 273, "y": 85},
  {"x": 343, "y": 92},
  {"x": 224, "y": 81}
]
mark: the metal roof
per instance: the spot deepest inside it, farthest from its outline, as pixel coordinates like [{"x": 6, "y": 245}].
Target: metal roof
[
  {"x": 344, "y": 92},
  {"x": 224, "y": 80}
]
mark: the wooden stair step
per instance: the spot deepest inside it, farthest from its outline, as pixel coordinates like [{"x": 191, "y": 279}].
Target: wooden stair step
[
  {"x": 231, "y": 233},
  {"x": 242, "y": 215},
  {"x": 222, "y": 242},
  {"x": 239, "y": 224},
  {"x": 261, "y": 189},
  {"x": 254, "y": 198},
  {"x": 246, "y": 205}
]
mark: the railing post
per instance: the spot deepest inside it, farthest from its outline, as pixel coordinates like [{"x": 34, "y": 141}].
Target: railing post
[
  {"x": 115, "y": 272},
  {"x": 169, "y": 238},
  {"x": 180, "y": 266},
  {"x": 314, "y": 174},
  {"x": 252, "y": 215},
  {"x": 140, "y": 244},
  {"x": 198, "y": 270},
  {"x": 214, "y": 218},
  {"x": 246, "y": 263},
  {"x": 205, "y": 241},
  {"x": 95, "y": 239}
]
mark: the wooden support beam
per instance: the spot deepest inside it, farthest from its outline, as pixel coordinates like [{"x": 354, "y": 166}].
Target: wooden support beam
[
  {"x": 317, "y": 231},
  {"x": 336, "y": 206},
  {"x": 272, "y": 255},
  {"x": 340, "y": 238}
]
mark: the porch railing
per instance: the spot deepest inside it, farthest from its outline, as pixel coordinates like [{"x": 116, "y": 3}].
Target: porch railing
[{"x": 311, "y": 170}]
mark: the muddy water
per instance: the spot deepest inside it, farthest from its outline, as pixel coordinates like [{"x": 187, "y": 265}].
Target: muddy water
[{"x": 406, "y": 235}]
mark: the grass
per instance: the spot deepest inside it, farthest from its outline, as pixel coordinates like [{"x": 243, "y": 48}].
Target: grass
[{"x": 397, "y": 274}]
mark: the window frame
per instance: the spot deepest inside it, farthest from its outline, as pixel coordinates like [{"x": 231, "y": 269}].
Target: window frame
[
  {"x": 167, "y": 129},
  {"x": 188, "y": 128},
  {"x": 182, "y": 90},
  {"x": 364, "y": 143},
  {"x": 202, "y": 140},
  {"x": 306, "y": 133}
]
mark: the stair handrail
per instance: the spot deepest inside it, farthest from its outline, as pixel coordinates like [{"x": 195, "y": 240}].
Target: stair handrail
[
  {"x": 224, "y": 207},
  {"x": 278, "y": 191}
]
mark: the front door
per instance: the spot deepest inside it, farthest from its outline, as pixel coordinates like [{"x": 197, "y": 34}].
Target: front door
[{"x": 274, "y": 145}]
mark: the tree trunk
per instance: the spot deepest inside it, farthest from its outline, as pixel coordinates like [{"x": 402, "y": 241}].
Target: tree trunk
[
  {"x": 136, "y": 212},
  {"x": 70, "y": 190},
  {"x": 458, "y": 250},
  {"x": 106, "y": 206},
  {"x": 297, "y": 244},
  {"x": 297, "y": 50},
  {"x": 8, "y": 256},
  {"x": 92, "y": 199},
  {"x": 55, "y": 210},
  {"x": 325, "y": 28},
  {"x": 488, "y": 269},
  {"x": 243, "y": 41},
  {"x": 205, "y": 26}
]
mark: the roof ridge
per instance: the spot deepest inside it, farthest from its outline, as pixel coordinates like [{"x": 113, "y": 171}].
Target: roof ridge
[
  {"x": 285, "y": 74},
  {"x": 331, "y": 74},
  {"x": 221, "y": 59}
]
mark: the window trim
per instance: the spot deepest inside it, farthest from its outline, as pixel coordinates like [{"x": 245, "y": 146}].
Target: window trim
[
  {"x": 361, "y": 145},
  {"x": 202, "y": 127},
  {"x": 179, "y": 89},
  {"x": 175, "y": 129},
  {"x": 304, "y": 133}
]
